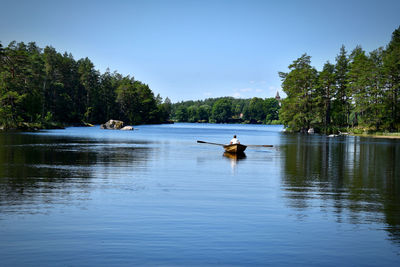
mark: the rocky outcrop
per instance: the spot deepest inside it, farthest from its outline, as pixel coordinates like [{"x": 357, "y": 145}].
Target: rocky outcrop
[
  {"x": 127, "y": 128},
  {"x": 112, "y": 125}
]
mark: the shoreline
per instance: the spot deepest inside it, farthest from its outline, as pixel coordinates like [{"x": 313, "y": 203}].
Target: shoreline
[
  {"x": 394, "y": 136},
  {"x": 28, "y": 127}
]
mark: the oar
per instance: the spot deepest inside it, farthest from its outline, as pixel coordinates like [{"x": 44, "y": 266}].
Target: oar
[{"x": 204, "y": 142}]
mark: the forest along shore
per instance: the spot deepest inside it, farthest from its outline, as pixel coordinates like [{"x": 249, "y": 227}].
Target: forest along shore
[
  {"x": 359, "y": 93},
  {"x": 42, "y": 88}
]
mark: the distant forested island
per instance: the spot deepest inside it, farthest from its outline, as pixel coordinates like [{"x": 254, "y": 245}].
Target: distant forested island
[
  {"x": 359, "y": 93},
  {"x": 42, "y": 88},
  {"x": 228, "y": 110}
]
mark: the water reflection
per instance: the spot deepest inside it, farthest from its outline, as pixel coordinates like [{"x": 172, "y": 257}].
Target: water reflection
[
  {"x": 234, "y": 158},
  {"x": 108, "y": 195},
  {"x": 35, "y": 171},
  {"x": 346, "y": 174}
]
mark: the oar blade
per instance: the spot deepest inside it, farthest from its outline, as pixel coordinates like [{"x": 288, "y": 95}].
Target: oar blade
[
  {"x": 204, "y": 142},
  {"x": 260, "y": 145}
]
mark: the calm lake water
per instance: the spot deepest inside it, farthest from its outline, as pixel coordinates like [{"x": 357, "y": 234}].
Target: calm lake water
[{"x": 91, "y": 197}]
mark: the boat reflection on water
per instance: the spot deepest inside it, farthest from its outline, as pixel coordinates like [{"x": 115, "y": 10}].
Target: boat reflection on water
[{"x": 234, "y": 158}]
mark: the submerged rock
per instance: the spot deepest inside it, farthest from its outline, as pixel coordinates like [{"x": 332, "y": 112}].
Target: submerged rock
[{"x": 112, "y": 125}]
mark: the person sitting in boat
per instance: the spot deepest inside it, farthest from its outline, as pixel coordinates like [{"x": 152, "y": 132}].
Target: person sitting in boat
[{"x": 234, "y": 140}]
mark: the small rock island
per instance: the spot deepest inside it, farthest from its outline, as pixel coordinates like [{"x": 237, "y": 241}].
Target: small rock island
[{"x": 115, "y": 125}]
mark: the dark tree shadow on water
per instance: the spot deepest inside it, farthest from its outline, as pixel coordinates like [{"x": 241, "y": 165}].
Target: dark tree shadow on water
[
  {"x": 345, "y": 174},
  {"x": 38, "y": 172}
]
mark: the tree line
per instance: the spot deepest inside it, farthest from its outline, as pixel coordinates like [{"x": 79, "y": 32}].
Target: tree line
[
  {"x": 227, "y": 110},
  {"x": 41, "y": 86},
  {"x": 361, "y": 91}
]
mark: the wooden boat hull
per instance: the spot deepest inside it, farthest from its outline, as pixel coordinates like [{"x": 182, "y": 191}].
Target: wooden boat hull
[{"x": 235, "y": 148}]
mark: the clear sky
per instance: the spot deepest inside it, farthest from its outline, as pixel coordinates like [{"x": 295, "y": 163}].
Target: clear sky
[{"x": 199, "y": 49}]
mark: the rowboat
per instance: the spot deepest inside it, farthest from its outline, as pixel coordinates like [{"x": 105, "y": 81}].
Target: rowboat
[{"x": 235, "y": 148}]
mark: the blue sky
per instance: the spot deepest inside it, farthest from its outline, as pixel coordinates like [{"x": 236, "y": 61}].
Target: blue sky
[{"x": 199, "y": 49}]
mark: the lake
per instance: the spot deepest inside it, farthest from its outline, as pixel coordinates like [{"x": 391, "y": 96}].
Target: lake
[{"x": 153, "y": 196}]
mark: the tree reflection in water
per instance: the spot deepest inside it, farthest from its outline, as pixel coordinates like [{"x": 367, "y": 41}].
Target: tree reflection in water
[
  {"x": 345, "y": 174},
  {"x": 36, "y": 172}
]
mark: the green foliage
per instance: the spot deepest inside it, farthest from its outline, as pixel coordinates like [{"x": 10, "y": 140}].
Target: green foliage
[
  {"x": 391, "y": 72},
  {"x": 342, "y": 95},
  {"x": 366, "y": 83},
  {"x": 255, "y": 111},
  {"x": 9, "y": 109},
  {"x": 227, "y": 110},
  {"x": 298, "y": 110},
  {"x": 271, "y": 109},
  {"x": 361, "y": 90},
  {"x": 221, "y": 110},
  {"x": 204, "y": 113},
  {"x": 181, "y": 114},
  {"x": 36, "y": 82},
  {"x": 192, "y": 112},
  {"x": 325, "y": 92},
  {"x": 164, "y": 109},
  {"x": 137, "y": 102}
]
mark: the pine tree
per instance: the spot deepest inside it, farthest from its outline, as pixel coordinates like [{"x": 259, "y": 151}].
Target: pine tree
[
  {"x": 326, "y": 92},
  {"x": 342, "y": 102},
  {"x": 391, "y": 69},
  {"x": 298, "y": 109}
]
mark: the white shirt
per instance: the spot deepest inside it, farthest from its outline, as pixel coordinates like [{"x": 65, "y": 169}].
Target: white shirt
[{"x": 234, "y": 141}]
